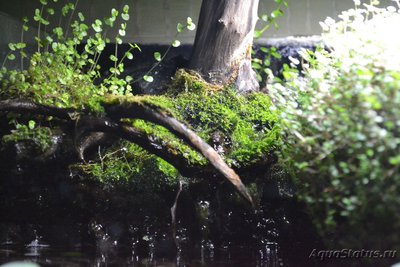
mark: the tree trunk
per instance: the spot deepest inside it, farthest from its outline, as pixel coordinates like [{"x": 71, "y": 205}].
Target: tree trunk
[{"x": 222, "y": 48}]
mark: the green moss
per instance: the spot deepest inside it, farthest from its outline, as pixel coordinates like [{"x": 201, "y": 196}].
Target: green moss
[
  {"x": 160, "y": 103},
  {"x": 39, "y": 138},
  {"x": 126, "y": 163},
  {"x": 242, "y": 128},
  {"x": 190, "y": 81},
  {"x": 172, "y": 143}
]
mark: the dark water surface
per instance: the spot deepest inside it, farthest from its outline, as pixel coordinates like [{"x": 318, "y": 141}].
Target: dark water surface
[
  {"x": 114, "y": 256},
  {"x": 54, "y": 219}
]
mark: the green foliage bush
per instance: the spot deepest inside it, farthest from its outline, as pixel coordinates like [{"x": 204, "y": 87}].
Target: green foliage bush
[
  {"x": 50, "y": 81},
  {"x": 64, "y": 71},
  {"x": 341, "y": 120}
]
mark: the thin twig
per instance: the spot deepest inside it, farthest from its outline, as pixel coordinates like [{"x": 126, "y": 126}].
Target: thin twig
[
  {"x": 155, "y": 65},
  {"x": 70, "y": 18},
  {"x": 173, "y": 214}
]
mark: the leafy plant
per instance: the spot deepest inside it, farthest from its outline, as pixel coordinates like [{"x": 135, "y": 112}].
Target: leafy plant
[
  {"x": 175, "y": 43},
  {"x": 64, "y": 71},
  {"x": 61, "y": 75},
  {"x": 271, "y": 19},
  {"x": 261, "y": 64},
  {"x": 340, "y": 116}
]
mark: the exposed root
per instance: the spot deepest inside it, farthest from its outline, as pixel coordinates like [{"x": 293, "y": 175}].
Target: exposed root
[
  {"x": 134, "y": 109},
  {"x": 139, "y": 110}
]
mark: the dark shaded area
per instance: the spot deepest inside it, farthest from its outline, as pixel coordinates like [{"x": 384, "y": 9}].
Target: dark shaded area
[
  {"x": 143, "y": 61},
  {"x": 43, "y": 202},
  {"x": 287, "y": 48},
  {"x": 179, "y": 57},
  {"x": 85, "y": 222}
]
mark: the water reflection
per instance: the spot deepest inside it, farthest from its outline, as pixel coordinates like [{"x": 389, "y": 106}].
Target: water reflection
[
  {"x": 116, "y": 255},
  {"x": 59, "y": 221}
]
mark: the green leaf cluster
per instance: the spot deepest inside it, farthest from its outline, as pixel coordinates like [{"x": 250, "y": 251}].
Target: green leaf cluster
[
  {"x": 60, "y": 74},
  {"x": 271, "y": 18},
  {"x": 261, "y": 66},
  {"x": 341, "y": 120}
]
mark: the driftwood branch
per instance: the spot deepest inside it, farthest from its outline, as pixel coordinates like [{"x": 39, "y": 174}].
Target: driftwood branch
[
  {"x": 88, "y": 124},
  {"x": 142, "y": 111},
  {"x": 23, "y": 106}
]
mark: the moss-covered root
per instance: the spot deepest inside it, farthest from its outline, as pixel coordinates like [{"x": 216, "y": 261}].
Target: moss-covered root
[{"x": 133, "y": 107}]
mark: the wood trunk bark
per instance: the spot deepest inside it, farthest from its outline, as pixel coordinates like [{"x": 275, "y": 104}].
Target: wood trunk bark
[{"x": 222, "y": 47}]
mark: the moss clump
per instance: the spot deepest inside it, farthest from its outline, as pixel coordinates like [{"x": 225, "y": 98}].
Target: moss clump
[
  {"x": 173, "y": 144},
  {"x": 190, "y": 81},
  {"x": 126, "y": 163},
  {"x": 39, "y": 138},
  {"x": 158, "y": 103},
  {"x": 243, "y": 129}
]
